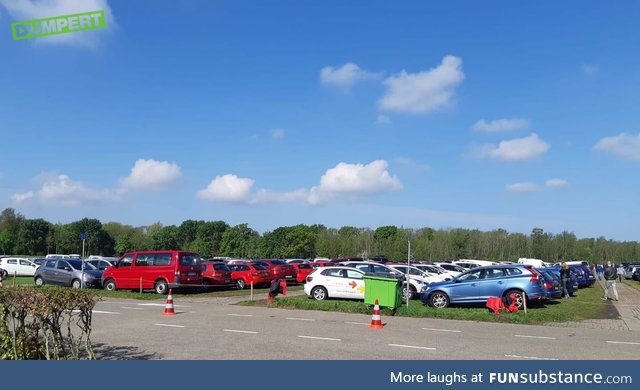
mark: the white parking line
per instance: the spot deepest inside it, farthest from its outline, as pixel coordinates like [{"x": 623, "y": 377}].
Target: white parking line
[
  {"x": 319, "y": 338},
  {"x": 357, "y": 323},
  {"x": 239, "y": 331},
  {"x": 443, "y": 330},
  {"x": 159, "y": 304},
  {"x": 240, "y": 315},
  {"x": 622, "y": 342},
  {"x": 529, "y": 357},
  {"x": 170, "y": 326},
  {"x": 411, "y": 346},
  {"x": 534, "y": 337},
  {"x": 103, "y": 312},
  {"x": 299, "y": 319},
  {"x": 132, "y": 308}
]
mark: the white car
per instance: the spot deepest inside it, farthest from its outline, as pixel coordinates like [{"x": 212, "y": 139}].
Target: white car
[
  {"x": 18, "y": 266},
  {"x": 437, "y": 271},
  {"x": 335, "y": 282},
  {"x": 371, "y": 267},
  {"x": 418, "y": 274},
  {"x": 452, "y": 268}
]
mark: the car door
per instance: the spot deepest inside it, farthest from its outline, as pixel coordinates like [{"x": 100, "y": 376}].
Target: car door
[
  {"x": 335, "y": 282},
  {"x": 493, "y": 283},
  {"x": 64, "y": 272},
  {"x": 355, "y": 284},
  {"x": 465, "y": 288},
  {"x": 49, "y": 272},
  {"x": 27, "y": 267},
  {"x": 11, "y": 266}
]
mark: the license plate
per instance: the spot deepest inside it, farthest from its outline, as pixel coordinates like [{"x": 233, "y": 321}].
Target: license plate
[
  {"x": 227, "y": 280},
  {"x": 288, "y": 277},
  {"x": 191, "y": 274}
]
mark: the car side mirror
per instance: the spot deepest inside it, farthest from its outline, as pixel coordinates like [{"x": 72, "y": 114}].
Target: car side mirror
[{"x": 67, "y": 268}]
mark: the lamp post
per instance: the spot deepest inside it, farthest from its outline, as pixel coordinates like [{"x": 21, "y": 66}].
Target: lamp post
[
  {"x": 84, "y": 237},
  {"x": 408, "y": 267}
]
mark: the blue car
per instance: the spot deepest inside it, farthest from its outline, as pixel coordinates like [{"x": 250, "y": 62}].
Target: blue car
[
  {"x": 585, "y": 277},
  {"x": 554, "y": 272},
  {"x": 479, "y": 284}
]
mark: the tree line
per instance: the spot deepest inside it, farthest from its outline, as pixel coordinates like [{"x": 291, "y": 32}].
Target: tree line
[{"x": 37, "y": 237}]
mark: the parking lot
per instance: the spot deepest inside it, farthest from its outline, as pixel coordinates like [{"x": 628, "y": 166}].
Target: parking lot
[{"x": 212, "y": 328}]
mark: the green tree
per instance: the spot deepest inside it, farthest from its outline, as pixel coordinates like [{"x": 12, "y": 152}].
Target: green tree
[
  {"x": 165, "y": 238},
  {"x": 32, "y": 237},
  {"x": 123, "y": 245},
  {"x": 10, "y": 222},
  {"x": 240, "y": 241}
]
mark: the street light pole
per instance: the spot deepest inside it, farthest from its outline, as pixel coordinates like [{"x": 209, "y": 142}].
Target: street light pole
[{"x": 409, "y": 267}]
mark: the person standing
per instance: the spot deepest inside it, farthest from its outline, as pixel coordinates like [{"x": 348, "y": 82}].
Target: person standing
[
  {"x": 599, "y": 271},
  {"x": 565, "y": 276},
  {"x": 620, "y": 272},
  {"x": 610, "y": 276}
]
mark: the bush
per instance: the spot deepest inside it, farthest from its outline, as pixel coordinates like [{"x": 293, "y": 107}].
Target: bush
[{"x": 45, "y": 323}]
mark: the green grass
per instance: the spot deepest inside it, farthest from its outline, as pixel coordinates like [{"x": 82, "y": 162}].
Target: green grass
[
  {"x": 151, "y": 295},
  {"x": 631, "y": 283},
  {"x": 586, "y": 304}
]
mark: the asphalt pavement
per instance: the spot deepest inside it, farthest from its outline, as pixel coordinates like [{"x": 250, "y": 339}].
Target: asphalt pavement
[{"x": 207, "y": 329}]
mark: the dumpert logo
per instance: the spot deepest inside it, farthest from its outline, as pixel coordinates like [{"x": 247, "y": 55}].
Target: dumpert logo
[{"x": 36, "y": 28}]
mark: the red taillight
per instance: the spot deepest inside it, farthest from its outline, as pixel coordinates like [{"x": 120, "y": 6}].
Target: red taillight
[
  {"x": 534, "y": 276},
  {"x": 309, "y": 279},
  {"x": 548, "y": 285}
]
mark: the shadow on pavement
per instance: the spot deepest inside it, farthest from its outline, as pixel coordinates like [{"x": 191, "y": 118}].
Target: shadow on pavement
[{"x": 122, "y": 352}]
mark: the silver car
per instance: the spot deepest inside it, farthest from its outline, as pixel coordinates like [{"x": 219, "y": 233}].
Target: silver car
[{"x": 68, "y": 272}]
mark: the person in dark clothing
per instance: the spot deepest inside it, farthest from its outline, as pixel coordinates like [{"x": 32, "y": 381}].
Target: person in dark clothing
[
  {"x": 599, "y": 270},
  {"x": 565, "y": 276},
  {"x": 610, "y": 276}
]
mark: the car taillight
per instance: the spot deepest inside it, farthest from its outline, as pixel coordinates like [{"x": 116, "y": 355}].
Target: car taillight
[
  {"x": 534, "y": 276},
  {"x": 309, "y": 279},
  {"x": 548, "y": 285}
]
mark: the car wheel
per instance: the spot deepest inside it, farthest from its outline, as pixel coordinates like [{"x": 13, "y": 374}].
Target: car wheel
[
  {"x": 518, "y": 298},
  {"x": 240, "y": 284},
  {"x": 4, "y": 274},
  {"x": 408, "y": 294},
  {"x": 439, "y": 300},
  {"x": 319, "y": 293},
  {"x": 110, "y": 285},
  {"x": 161, "y": 287},
  {"x": 39, "y": 281},
  {"x": 75, "y": 283}
]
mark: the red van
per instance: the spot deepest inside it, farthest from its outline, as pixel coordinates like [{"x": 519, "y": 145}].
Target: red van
[{"x": 158, "y": 270}]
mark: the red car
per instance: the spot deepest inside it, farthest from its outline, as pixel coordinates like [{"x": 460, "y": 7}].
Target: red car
[
  {"x": 244, "y": 274},
  {"x": 302, "y": 270},
  {"x": 279, "y": 269},
  {"x": 216, "y": 274}
]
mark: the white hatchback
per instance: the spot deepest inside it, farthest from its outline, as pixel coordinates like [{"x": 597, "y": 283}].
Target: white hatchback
[
  {"x": 18, "y": 266},
  {"x": 335, "y": 282}
]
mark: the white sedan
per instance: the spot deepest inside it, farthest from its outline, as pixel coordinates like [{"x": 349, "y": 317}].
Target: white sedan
[
  {"x": 17, "y": 266},
  {"x": 335, "y": 282}
]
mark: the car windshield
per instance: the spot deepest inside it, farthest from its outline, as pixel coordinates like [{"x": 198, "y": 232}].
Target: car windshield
[{"x": 77, "y": 264}]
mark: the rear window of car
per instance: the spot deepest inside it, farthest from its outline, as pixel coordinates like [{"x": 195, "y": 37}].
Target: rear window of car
[
  {"x": 189, "y": 259},
  {"x": 304, "y": 266},
  {"x": 260, "y": 266}
]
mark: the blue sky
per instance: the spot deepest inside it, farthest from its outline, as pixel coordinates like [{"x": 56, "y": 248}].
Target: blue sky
[{"x": 443, "y": 114}]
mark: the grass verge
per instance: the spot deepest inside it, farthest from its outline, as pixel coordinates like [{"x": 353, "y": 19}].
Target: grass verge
[
  {"x": 631, "y": 283},
  {"x": 586, "y": 304},
  {"x": 149, "y": 295}
]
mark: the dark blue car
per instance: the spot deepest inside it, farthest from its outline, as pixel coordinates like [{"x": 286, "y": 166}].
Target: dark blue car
[
  {"x": 479, "y": 284},
  {"x": 554, "y": 272}
]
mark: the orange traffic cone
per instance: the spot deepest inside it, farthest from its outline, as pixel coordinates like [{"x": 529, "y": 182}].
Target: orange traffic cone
[
  {"x": 168, "y": 309},
  {"x": 376, "y": 322}
]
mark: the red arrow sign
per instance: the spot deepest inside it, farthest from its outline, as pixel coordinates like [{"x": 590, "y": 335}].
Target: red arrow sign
[{"x": 353, "y": 284}]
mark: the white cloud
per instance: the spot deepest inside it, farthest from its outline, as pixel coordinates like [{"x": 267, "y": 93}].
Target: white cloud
[
  {"x": 624, "y": 145},
  {"x": 353, "y": 180},
  {"x": 277, "y": 133},
  {"x": 35, "y": 9},
  {"x": 590, "y": 70},
  {"x": 64, "y": 191},
  {"x": 343, "y": 181},
  {"x": 425, "y": 91},
  {"x": 500, "y": 125},
  {"x": 345, "y": 76},
  {"x": 227, "y": 188},
  {"x": 383, "y": 120},
  {"x": 152, "y": 175},
  {"x": 19, "y": 198},
  {"x": 514, "y": 150},
  {"x": 556, "y": 183},
  {"x": 522, "y": 187}
]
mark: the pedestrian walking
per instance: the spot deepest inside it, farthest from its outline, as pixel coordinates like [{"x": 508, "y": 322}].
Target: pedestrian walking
[
  {"x": 599, "y": 271},
  {"x": 565, "y": 276},
  {"x": 620, "y": 272},
  {"x": 610, "y": 276}
]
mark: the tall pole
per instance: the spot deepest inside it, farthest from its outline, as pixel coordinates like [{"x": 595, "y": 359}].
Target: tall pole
[
  {"x": 409, "y": 268},
  {"x": 82, "y": 260}
]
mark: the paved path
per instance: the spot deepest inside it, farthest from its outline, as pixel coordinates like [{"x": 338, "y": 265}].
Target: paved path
[{"x": 628, "y": 308}]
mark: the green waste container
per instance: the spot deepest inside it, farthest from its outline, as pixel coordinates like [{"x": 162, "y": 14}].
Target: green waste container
[{"x": 388, "y": 291}]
